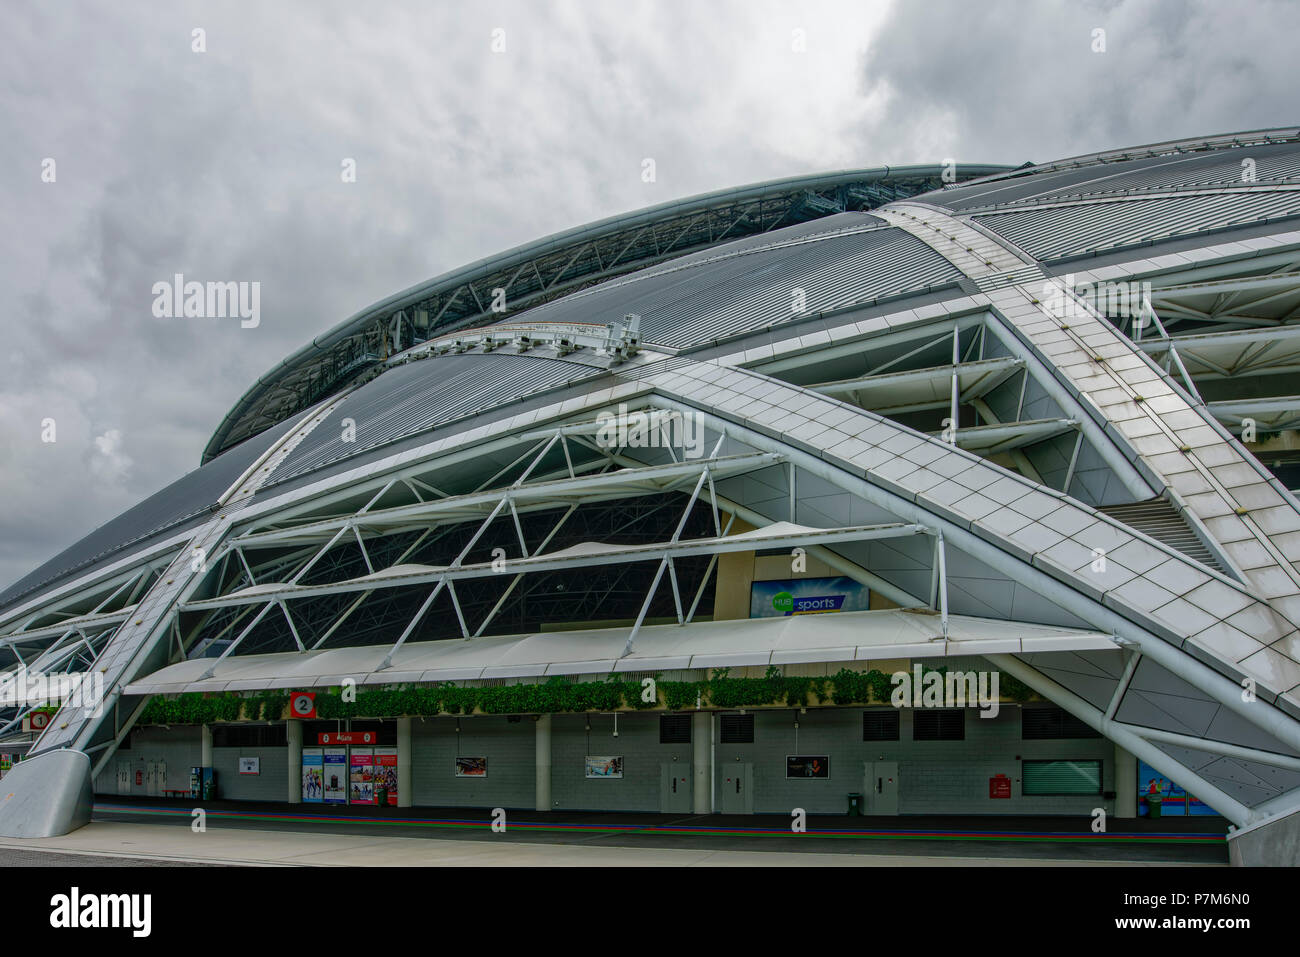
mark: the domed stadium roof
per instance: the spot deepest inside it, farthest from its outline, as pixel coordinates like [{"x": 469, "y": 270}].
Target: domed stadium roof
[{"x": 1045, "y": 413}]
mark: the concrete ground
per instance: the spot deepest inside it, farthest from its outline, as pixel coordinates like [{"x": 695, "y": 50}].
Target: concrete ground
[{"x": 125, "y": 831}]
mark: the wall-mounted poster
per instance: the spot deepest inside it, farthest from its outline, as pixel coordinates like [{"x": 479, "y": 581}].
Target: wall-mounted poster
[
  {"x": 604, "y": 766},
  {"x": 386, "y": 772},
  {"x": 250, "y": 765},
  {"x": 471, "y": 767},
  {"x": 807, "y": 596},
  {"x": 335, "y": 776},
  {"x": 807, "y": 766},
  {"x": 1174, "y": 800},
  {"x": 313, "y": 775},
  {"x": 361, "y": 780}
]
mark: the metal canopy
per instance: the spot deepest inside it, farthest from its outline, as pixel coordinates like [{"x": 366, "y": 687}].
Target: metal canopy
[{"x": 842, "y": 637}]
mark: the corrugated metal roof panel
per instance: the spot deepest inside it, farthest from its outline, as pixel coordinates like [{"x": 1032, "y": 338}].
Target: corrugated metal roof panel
[
  {"x": 422, "y": 395},
  {"x": 699, "y": 299},
  {"x": 1278, "y": 163},
  {"x": 1062, "y": 231}
]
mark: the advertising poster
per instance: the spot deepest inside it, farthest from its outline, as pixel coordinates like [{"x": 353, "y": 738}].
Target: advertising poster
[
  {"x": 386, "y": 772},
  {"x": 471, "y": 767},
  {"x": 807, "y": 766},
  {"x": 313, "y": 775},
  {"x": 1174, "y": 800},
  {"x": 361, "y": 785},
  {"x": 807, "y": 596},
  {"x": 335, "y": 776},
  {"x": 604, "y": 766}
]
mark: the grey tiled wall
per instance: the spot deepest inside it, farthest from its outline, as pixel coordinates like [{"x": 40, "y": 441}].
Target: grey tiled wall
[
  {"x": 179, "y": 747},
  {"x": 637, "y": 742},
  {"x": 509, "y": 748},
  {"x": 936, "y": 777}
]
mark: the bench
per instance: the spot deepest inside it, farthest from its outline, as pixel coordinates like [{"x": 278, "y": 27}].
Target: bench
[{"x": 177, "y": 792}]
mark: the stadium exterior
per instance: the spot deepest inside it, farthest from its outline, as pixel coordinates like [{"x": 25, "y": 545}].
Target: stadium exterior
[{"x": 554, "y": 517}]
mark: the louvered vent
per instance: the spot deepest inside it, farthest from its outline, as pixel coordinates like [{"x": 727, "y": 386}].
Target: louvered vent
[
  {"x": 1050, "y": 724},
  {"x": 674, "y": 729},
  {"x": 880, "y": 724},
  {"x": 1158, "y": 519},
  {"x": 737, "y": 729}
]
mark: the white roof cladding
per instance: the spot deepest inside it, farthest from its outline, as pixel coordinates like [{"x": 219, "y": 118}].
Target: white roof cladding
[{"x": 850, "y": 637}]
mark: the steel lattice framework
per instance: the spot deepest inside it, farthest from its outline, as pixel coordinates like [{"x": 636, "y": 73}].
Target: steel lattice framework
[{"x": 1089, "y": 435}]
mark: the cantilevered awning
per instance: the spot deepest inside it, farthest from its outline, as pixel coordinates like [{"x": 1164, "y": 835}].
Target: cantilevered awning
[{"x": 801, "y": 639}]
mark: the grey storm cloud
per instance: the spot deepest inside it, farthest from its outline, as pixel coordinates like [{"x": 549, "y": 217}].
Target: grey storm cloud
[{"x": 225, "y": 165}]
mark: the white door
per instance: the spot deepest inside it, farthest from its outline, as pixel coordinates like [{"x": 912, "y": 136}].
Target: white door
[
  {"x": 737, "y": 795},
  {"x": 123, "y": 777},
  {"x": 880, "y": 787}
]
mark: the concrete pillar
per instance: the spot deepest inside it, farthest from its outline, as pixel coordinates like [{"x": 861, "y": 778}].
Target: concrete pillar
[
  {"x": 543, "y": 740},
  {"x": 403, "y": 762},
  {"x": 293, "y": 734},
  {"x": 205, "y": 747},
  {"x": 1126, "y": 784},
  {"x": 701, "y": 739}
]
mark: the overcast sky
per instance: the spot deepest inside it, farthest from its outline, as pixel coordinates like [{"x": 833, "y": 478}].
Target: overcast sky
[{"x": 225, "y": 165}]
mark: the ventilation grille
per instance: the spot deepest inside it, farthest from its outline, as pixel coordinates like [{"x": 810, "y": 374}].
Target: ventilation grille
[
  {"x": 948, "y": 724},
  {"x": 674, "y": 729},
  {"x": 880, "y": 725},
  {"x": 1158, "y": 519},
  {"x": 1051, "y": 724},
  {"x": 736, "y": 729}
]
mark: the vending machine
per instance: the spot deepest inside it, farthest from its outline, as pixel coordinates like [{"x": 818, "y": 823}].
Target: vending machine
[{"x": 203, "y": 783}]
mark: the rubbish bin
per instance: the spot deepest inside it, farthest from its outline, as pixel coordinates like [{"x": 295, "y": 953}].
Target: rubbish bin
[
  {"x": 855, "y": 804},
  {"x": 381, "y": 796},
  {"x": 1153, "y": 804}
]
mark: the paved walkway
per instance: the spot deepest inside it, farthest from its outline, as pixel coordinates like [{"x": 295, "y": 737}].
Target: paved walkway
[
  {"x": 107, "y": 841},
  {"x": 277, "y": 834}
]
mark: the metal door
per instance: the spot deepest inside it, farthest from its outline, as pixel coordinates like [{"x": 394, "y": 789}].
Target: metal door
[
  {"x": 674, "y": 789},
  {"x": 151, "y": 778},
  {"x": 737, "y": 789},
  {"x": 123, "y": 777},
  {"x": 880, "y": 787}
]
